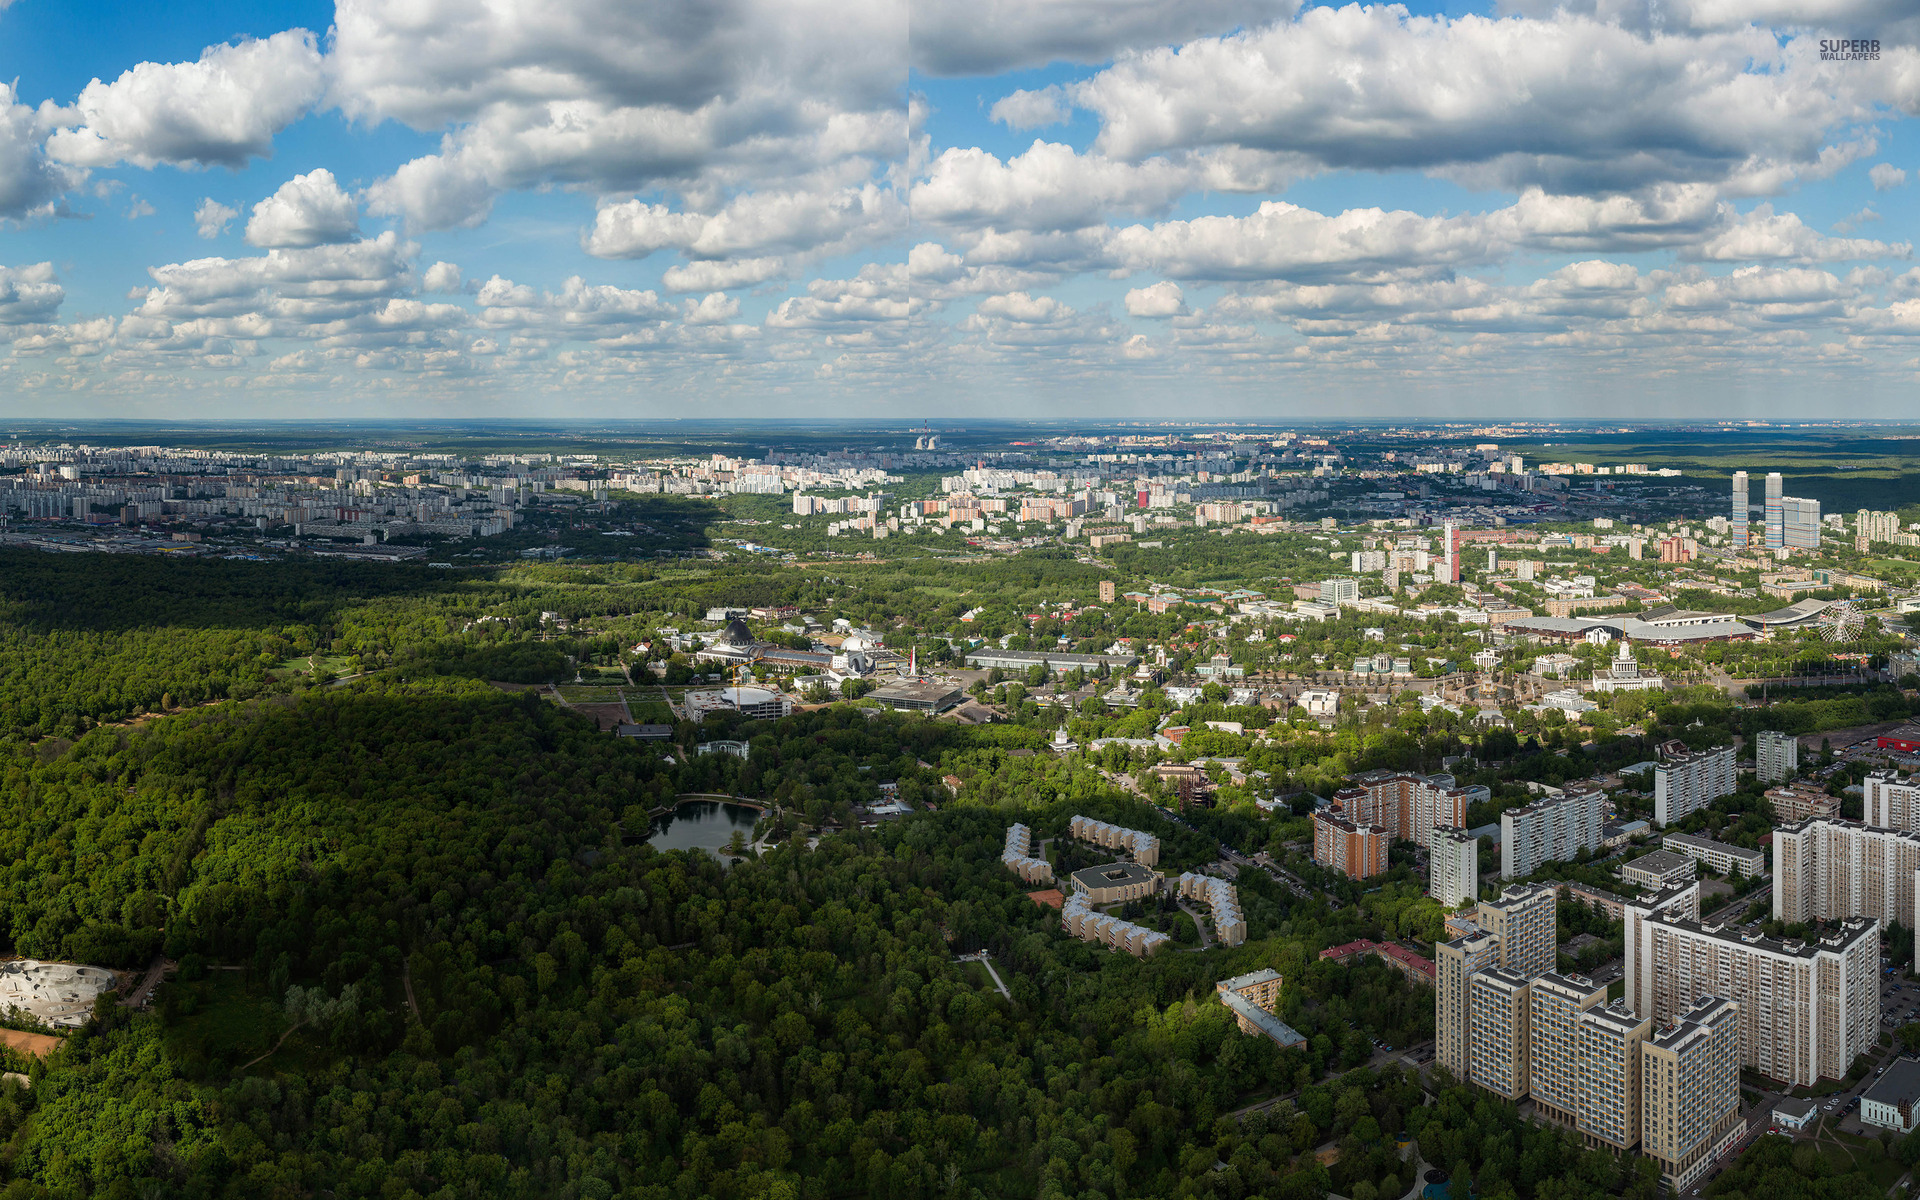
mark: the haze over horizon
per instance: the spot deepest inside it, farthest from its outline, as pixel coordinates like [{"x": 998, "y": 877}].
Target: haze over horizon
[{"x": 1228, "y": 209}]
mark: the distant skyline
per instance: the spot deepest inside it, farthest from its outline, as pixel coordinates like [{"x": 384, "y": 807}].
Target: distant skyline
[{"x": 1077, "y": 210}]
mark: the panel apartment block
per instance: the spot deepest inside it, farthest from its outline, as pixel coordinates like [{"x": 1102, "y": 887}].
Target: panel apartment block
[
  {"x": 1453, "y": 867},
  {"x": 1828, "y": 869},
  {"x": 1688, "y": 782},
  {"x": 1776, "y": 756},
  {"x": 1553, "y": 829},
  {"x": 1806, "y": 1009},
  {"x": 1892, "y": 802}
]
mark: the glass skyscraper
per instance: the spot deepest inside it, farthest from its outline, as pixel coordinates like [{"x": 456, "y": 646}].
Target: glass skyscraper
[{"x": 1739, "y": 515}]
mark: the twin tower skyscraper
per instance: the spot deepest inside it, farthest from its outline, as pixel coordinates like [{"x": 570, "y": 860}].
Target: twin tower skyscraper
[{"x": 1788, "y": 522}]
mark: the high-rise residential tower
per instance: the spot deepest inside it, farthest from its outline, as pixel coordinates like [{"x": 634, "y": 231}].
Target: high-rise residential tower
[
  {"x": 1737, "y": 520},
  {"x": 1775, "y": 513},
  {"x": 1690, "y": 1089},
  {"x": 1776, "y": 756}
]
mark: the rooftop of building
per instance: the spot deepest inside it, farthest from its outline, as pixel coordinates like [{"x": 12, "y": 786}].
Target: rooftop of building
[
  {"x": 1116, "y": 874},
  {"x": 1705, "y": 843},
  {"x": 1793, "y": 1109},
  {"x": 1265, "y": 1021},
  {"x": 1899, "y": 1086},
  {"x": 1250, "y": 979},
  {"x": 1660, "y": 862},
  {"x": 1849, "y": 932}
]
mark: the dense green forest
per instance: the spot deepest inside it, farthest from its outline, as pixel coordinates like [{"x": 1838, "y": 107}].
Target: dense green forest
[{"x": 595, "y": 1018}]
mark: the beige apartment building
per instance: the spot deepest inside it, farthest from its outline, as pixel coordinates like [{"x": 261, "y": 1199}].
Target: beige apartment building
[
  {"x": 1516, "y": 933},
  {"x": 1827, "y": 869},
  {"x": 1144, "y": 847},
  {"x": 1498, "y": 1031},
  {"x": 1524, "y": 920},
  {"x": 1806, "y": 1009},
  {"x": 1607, "y": 1109},
  {"x": 1455, "y": 964},
  {"x": 1690, "y": 1090},
  {"x": 1555, "y": 1004}
]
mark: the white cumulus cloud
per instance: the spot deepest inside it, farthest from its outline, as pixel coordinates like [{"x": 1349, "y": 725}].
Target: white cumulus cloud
[
  {"x": 221, "y": 110},
  {"x": 308, "y": 210},
  {"x": 1162, "y": 299},
  {"x": 211, "y": 219}
]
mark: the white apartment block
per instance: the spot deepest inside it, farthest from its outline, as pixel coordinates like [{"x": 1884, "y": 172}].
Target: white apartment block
[
  {"x": 1776, "y": 756},
  {"x": 1807, "y": 1010},
  {"x": 1607, "y": 1050},
  {"x": 1681, "y": 903},
  {"x": 1144, "y": 847},
  {"x": 1555, "y": 1004},
  {"x": 1892, "y": 802},
  {"x": 1497, "y": 1032},
  {"x": 1554, "y": 829},
  {"x": 1689, "y": 782},
  {"x": 1828, "y": 869},
  {"x": 1717, "y": 855},
  {"x": 1453, "y": 867},
  {"x": 1690, "y": 1089}
]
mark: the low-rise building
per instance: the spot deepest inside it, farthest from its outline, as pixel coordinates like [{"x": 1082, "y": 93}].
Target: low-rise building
[
  {"x": 1794, "y": 803},
  {"x": 1079, "y": 918},
  {"x": 1658, "y": 870},
  {"x": 1019, "y": 858},
  {"x": 1223, "y": 901},
  {"x": 1144, "y": 847},
  {"x": 1115, "y": 883},
  {"x": 1893, "y": 1102},
  {"x": 1253, "y": 999},
  {"x": 1718, "y": 856},
  {"x": 1788, "y": 1113}
]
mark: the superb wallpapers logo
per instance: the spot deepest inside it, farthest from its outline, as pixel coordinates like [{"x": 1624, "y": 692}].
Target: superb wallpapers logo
[{"x": 1850, "y": 50}]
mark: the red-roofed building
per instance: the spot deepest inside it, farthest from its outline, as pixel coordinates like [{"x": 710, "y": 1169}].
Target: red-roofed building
[{"x": 1401, "y": 959}]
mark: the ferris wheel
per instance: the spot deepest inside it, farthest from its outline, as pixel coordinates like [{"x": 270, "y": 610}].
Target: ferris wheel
[{"x": 1842, "y": 623}]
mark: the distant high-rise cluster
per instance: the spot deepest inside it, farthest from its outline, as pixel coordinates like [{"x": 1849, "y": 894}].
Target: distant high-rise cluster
[{"x": 1787, "y": 522}]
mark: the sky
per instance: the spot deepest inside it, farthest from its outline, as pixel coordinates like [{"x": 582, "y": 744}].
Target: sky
[{"x": 996, "y": 208}]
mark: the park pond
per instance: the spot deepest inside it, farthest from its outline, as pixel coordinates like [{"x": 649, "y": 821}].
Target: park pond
[{"x": 702, "y": 825}]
